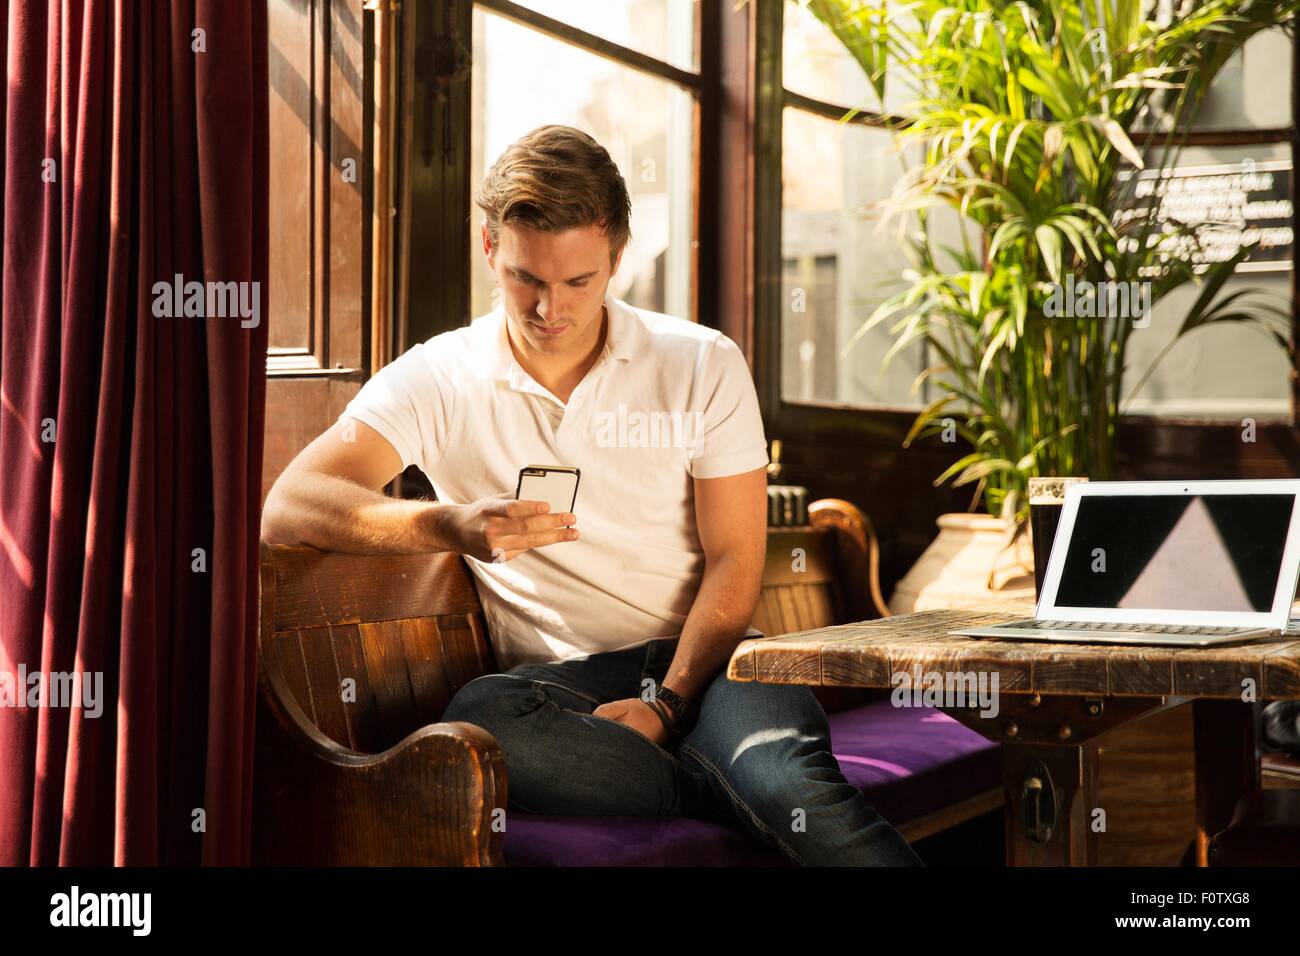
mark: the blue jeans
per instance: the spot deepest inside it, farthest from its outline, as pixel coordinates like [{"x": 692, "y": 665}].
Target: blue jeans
[{"x": 758, "y": 757}]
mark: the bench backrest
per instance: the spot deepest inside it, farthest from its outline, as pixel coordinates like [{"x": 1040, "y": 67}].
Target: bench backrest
[
  {"x": 407, "y": 630},
  {"x": 373, "y": 647}
]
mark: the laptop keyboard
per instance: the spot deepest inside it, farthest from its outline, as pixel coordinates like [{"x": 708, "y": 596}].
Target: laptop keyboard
[{"x": 1035, "y": 625}]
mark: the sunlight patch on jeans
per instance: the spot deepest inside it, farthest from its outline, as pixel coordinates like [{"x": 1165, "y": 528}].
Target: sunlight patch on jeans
[{"x": 769, "y": 735}]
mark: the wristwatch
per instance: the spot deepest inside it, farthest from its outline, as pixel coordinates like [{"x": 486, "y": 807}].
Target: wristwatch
[{"x": 684, "y": 712}]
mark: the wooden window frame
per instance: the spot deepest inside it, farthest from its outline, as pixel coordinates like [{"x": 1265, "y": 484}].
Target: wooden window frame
[{"x": 341, "y": 33}]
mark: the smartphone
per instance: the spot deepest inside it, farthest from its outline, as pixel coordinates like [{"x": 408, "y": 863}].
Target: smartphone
[{"x": 557, "y": 485}]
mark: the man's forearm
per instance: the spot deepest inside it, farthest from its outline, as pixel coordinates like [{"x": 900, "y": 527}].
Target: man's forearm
[
  {"x": 335, "y": 514},
  {"x": 716, "y": 623}
]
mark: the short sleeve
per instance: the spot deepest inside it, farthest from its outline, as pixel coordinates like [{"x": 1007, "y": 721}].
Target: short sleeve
[
  {"x": 730, "y": 439},
  {"x": 406, "y": 403}
]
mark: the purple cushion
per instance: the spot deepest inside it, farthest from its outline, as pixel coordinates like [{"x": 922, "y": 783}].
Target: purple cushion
[{"x": 908, "y": 761}]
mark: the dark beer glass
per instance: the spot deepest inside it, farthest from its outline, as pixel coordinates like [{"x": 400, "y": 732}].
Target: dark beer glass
[{"x": 1046, "y": 499}]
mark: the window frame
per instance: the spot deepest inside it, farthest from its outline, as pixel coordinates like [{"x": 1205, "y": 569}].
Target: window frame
[{"x": 338, "y": 118}]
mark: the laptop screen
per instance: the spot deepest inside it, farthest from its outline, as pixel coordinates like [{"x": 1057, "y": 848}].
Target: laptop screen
[{"x": 1220, "y": 552}]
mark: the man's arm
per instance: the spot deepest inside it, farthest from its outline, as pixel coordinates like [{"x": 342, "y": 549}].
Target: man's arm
[
  {"x": 329, "y": 497},
  {"x": 731, "y": 517}
]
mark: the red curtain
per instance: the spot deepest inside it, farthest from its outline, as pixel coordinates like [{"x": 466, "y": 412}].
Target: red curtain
[{"x": 135, "y": 151}]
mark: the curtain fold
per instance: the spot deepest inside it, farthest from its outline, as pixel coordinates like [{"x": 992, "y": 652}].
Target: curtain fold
[{"x": 135, "y": 151}]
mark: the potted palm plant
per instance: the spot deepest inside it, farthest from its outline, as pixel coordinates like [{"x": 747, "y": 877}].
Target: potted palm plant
[{"x": 1026, "y": 116}]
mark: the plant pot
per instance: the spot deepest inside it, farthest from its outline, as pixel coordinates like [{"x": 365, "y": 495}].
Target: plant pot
[{"x": 955, "y": 570}]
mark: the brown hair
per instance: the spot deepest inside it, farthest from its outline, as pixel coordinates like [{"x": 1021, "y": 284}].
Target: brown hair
[{"x": 557, "y": 178}]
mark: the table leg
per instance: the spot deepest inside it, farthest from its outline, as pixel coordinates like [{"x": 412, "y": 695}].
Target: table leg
[
  {"x": 1050, "y": 749},
  {"x": 1227, "y": 764},
  {"x": 1051, "y": 796}
]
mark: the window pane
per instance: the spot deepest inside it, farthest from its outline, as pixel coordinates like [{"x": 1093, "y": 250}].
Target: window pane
[
  {"x": 817, "y": 64},
  {"x": 663, "y": 29},
  {"x": 1252, "y": 90},
  {"x": 838, "y": 265},
  {"x": 652, "y": 145},
  {"x": 1227, "y": 371}
]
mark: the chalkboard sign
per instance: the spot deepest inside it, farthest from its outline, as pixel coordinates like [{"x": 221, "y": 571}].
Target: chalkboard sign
[{"x": 1227, "y": 206}]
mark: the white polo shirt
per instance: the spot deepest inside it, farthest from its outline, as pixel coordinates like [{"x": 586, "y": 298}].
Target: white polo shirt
[{"x": 666, "y": 401}]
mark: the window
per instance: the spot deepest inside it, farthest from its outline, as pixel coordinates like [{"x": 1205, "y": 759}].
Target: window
[
  {"x": 584, "y": 72},
  {"x": 838, "y": 264},
  {"x": 1228, "y": 371},
  {"x": 663, "y": 29},
  {"x": 838, "y": 260},
  {"x": 1231, "y": 371}
]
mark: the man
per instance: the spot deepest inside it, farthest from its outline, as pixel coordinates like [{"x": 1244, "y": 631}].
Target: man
[{"x": 615, "y": 620}]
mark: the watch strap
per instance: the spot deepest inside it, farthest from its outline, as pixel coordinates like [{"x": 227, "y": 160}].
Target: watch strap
[{"x": 683, "y": 710}]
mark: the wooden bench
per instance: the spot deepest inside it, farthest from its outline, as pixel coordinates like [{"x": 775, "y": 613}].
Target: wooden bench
[{"x": 359, "y": 656}]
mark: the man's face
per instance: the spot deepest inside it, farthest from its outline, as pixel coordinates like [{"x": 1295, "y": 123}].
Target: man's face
[{"x": 552, "y": 286}]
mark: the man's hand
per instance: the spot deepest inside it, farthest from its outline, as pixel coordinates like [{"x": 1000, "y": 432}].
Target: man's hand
[
  {"x": 501, "y": 528},
  {"x": 637, "y": 714}
]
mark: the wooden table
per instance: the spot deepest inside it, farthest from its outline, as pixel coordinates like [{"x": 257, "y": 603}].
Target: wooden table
[{"x": 1055, "y": 701}]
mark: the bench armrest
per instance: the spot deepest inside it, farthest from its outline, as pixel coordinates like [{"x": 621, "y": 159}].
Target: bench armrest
[{"x": 427, "y": 800}]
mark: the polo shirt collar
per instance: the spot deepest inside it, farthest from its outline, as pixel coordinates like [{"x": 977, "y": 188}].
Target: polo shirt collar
[{"x": 498, "y": 361}]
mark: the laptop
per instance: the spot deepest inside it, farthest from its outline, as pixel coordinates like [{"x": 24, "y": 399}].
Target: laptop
[{"x": 1187, "y": 563}]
